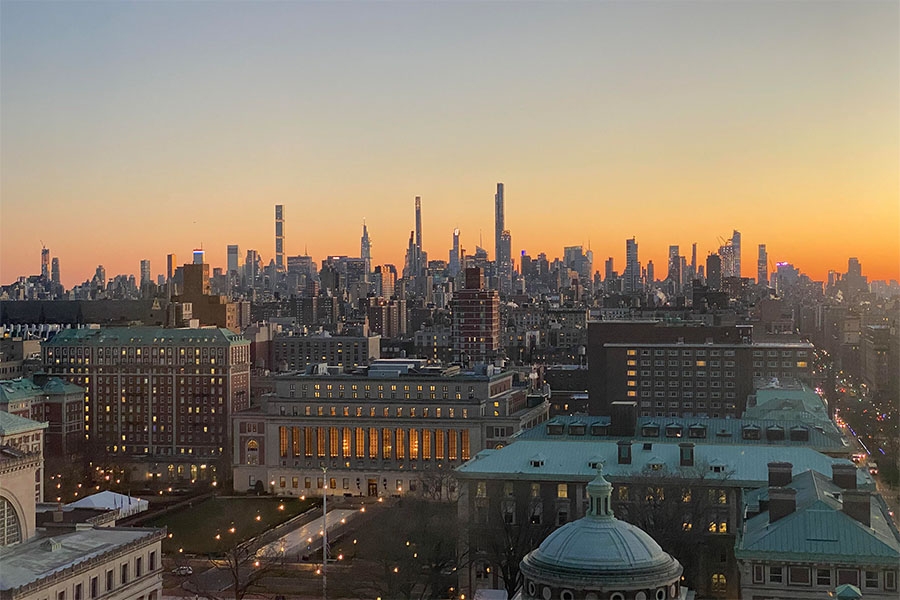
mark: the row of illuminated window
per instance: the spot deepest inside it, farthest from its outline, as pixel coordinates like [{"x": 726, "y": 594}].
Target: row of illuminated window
[
  {"x": 146, "y": 450},
  {"x": 674, "y": 363},
  {"x": 660, "y": 352},
  {"x": 684, "y": 382},
  {"x": 370, "y": 442},
  {"x": 425, "y": 412},
  {"x": 828, "y": 577}
]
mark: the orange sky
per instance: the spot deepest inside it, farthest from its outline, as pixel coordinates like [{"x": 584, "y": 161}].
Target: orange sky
[{"x": 133, "y": 130}]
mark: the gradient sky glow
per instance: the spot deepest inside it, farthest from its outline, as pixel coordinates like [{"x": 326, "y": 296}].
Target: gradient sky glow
[{"x": 130, "y": 130}]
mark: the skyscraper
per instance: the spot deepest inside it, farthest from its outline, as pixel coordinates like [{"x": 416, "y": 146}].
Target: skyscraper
[
  {"x": 674, "y": 274},
  {"x": 198, "y": 256},
  {"x": 632, "y": 275},
  {"x": 504, "y": 260},
  {"x": 171, "y": 265},
  {"x": 234, "y": 254},
  {"x": 145, "y": 273},
  {"x": 736, "y": 252},
  {"x": 714, "y": 272},
  {"x": 453, "y": 264},
  {"x": 365, "y": 250},
  {"x": 499, "y": 222},
  {"x": 418, "y": 265},
  {"x": 475, "y": 325},
  {"x": 54, "y": 271},
  {"x": 45, "y": 263},
  {"x": 762, "y": 266},
  {"x": 279, "y": 238}
]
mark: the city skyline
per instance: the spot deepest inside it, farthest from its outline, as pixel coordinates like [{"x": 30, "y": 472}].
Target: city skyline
[{"x": 153, "y": 129}]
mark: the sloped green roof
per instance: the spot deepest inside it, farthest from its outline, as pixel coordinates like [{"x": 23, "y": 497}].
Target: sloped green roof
[
  {"x": 12, "y": 424},
  {"x": 13, "y": 390},
  {"x": 818, "y": 530},
  {"x": 144, "y": 336}
]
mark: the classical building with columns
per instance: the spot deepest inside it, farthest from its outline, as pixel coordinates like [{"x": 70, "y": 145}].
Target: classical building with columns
[{"x": 398, "y": 426}]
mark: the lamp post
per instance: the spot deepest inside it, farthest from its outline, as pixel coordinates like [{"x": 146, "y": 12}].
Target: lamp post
[{"x": 324, "y": 532}]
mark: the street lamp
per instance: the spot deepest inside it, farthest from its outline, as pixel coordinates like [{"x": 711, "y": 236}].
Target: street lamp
[{"x": 324, "y": 532}]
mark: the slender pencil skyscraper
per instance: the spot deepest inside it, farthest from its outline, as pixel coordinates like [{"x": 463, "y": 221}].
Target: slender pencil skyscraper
[
  {"x": 365, "y": 249},
  {"x": 419, "y": 266},
  {"x": 736, "y": 252},
  {"x": 279, "y": 237},
  {"x": 499, "y": 222}
]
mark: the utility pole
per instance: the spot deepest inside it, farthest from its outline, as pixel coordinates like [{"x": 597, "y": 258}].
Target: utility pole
[{"x": 324, "y": 533}]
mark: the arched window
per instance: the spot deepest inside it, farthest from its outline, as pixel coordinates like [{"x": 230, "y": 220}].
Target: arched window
[
  {"x": 10, "y": 527},
  {"x": 252, "y": 452},
  {"x": 718, "y": 582}
]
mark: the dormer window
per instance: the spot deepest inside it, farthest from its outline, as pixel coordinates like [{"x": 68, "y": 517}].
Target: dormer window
[
  {"x": 554, "y": 428},
  {"x": 673, "y": 430},
  {"x": 536, "y": 461}
]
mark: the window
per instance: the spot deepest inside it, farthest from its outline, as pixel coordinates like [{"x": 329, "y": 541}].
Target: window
[
  {"x": 138, "y": 567},
  {"x": 775, "y": 575},
  {"x": 61, "y": 595},
  {"x": 95, "y": 587},
  {"x": 718, "y": 583},
  {"x": 77, "y": 591},
  {"x": 109, "y": 580},
  {"x": 848, "y": 576},
  {"x": 758, "y": 574},
  {"x": 562, "y": 491},
  {"x": 562, "y": 517},
  {"x": 890, "y": 580},
  {"x": 823, "y": 577},
  {"x": 152, "y": 563},
  {"x": 799, "y": 576},
  {"x": 871, "y": 579},
  {"x": 124, "y": 575}
]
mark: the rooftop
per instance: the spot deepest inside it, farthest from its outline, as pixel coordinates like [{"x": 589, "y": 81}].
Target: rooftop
[
  {"x": 144, "y": 336},
  {"x": 12, "y": 424},
  {"x": 818, "y": 529},
  {"x": 825, "y": 437},
  {"x": 40, "y": 558},
  {"x": 567, "y": 460}
]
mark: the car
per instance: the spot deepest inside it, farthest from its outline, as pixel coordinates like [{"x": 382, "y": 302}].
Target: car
[{"x": 183, "y": 570}]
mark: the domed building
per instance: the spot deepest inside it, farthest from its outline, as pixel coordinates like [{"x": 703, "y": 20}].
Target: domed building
[{"x": 600, "y": 557}]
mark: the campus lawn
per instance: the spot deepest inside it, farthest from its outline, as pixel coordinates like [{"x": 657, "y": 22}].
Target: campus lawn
[{"x": 193, "y": 529}]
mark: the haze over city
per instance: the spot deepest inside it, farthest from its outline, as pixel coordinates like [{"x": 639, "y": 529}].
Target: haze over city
[{"x": 135, "y": 130}]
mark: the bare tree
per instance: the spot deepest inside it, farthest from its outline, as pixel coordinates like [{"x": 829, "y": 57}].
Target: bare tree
[
  {"x": 683, "y": 512},
  {"x": 509, "y": 528},
  {"x": 245, "y": 567},
  {"x": 414, "y": 545}
]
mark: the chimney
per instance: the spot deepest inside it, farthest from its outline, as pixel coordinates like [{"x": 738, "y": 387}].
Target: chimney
[
  {"x": 623, "y": 418},
  {"x": 782, "y": 502},
  {"x": 58, "y": 513},
  {"x": 780, "y": 474},
  {"x": 624, "y": 452},
  {"x": 857, "y": 504},
  {"x": 687, "y": 454},
  {"x": 843, "y": 475}
]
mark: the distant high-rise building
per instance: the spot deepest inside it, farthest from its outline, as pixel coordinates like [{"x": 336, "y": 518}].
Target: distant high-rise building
[
  {"x": 475, "y": 326},
  {"x": 504, "y": 271},
  {"x": 674, "y": 274},
  {"x": 854, "y": 268},
  {"x": 251, "y": 268},
  {"x": 454, "y": 263},
  {"x": 199, "y": 256},
  {"x": 762, "y": 266},
  {"x": 726, "y": 259},
  {"x": 651, "y": 274},
  {"x": 714, "y": 272},
  {"x": 171, "y": 265},
  {"x": 100, "y": 277},
  {"x": 45, "y": 264},
  {"x": 420, "y": 265},
  {"x": 279, "y": 238},
  {"x": 632, "y": 274},
  {"x": 234, "y": 260},
  {"x": 145, "y": 273},
  {"x": 54, "y": 271},
  {"x": 365, "y": 250},
  {"x": 608, "y": 269},
  {"x": 694, "y": 260},
  {"x": 499, "y": 221},
  {"x": 736, "y": 252}
]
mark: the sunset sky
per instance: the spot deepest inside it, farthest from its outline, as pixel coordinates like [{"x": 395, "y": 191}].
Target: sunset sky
[{"x": 130, "y": 130}]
